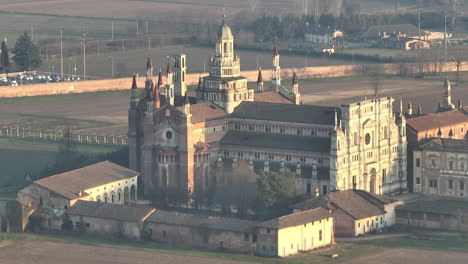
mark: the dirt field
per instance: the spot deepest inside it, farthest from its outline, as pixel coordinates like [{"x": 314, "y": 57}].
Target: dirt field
[
  {"x": 335, "y": 91},
  {"x": 404, "y": 255},
  {"x": 45, "y": 252}
]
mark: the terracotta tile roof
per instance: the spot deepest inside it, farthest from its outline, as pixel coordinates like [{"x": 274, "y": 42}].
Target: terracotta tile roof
[
  {"x": 437, "y": 120},
  {"x": 204, "y": 112},
  {"x": 308, "y": 114},
  {"x": 350, "y": 201},
  {"x": 202, "y": 221},
  {"x": 296, "y": 219},
  {"x": 444, "y": 206},
  {"x": 110, "y": 211},
  {"x": 444, "y": 143},
  {"x": 277, "y": 141},
  {"x": 70, "y": 184},
  {"x": 271, "y": 97}
]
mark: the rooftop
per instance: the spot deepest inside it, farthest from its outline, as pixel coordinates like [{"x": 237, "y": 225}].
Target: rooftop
[
  {"x": 110, "y": 211},
  {"x": 408, "y": 29},
  {"x": 202, "y": 221},
  {"x": 204, "y": 112},
  {"x": 439, "y": 206},
  {"x": 277, "y": 141},
  {"x": 300, "y": 218},
  {"x": 437, "y": 120},
  {"x": 444, "y": 143},
  {"x": 307, "y": 114},
  {"x": 271, "y": 97},
  {"x": 70, "y": 184},
  {"x": 357, "y": 203}
]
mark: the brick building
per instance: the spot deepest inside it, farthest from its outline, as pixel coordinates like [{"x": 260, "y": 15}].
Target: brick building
[
  {"x": 356, "y": 212},
  {"x": 176, "y": 146}
]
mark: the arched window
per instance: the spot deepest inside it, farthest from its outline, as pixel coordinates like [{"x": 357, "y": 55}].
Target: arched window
[{"x": 226, "y": 49}]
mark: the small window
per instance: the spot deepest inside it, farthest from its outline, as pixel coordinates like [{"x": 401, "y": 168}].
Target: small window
[
  {"x": 246, "y": 236},
  {"x": 450, "y": 165},
  {"x": 418, "y": 162},
  {"x": 87, "y": 225},
  {"x": 450, "y": 184},
  {"x": 268, "y": 230},
  {"x": 418, "y": 180},
  {"x": 320, "y": 235},
  {"x": 462, "y": 185},
  {"x": 254, "y": 237}
]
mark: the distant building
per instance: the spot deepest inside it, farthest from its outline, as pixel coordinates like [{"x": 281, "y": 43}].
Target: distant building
[
  {"x": 101, "y": 182},
  {"x": 356, "y": 212},
  {"x": 291, "y": 234},
  {"x": 283, "y": 236},
  {"x": 105, "y": 219},
  {"x": 325, "y": 36},
  {"x": 449, "y": 122},
  {"x": 441, "y": 167},
  {"x": 402, "y": 36},
  {"x": 442, "y": 214}
]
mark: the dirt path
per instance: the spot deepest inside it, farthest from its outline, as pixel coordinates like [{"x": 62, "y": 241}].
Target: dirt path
[{"x": 46, "y": 252}]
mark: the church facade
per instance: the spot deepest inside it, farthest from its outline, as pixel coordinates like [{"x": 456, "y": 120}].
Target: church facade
[{"x": 183, "y": 142}]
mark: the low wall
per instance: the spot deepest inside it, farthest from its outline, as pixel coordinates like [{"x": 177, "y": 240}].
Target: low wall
[{"x": 192, "y": 79}]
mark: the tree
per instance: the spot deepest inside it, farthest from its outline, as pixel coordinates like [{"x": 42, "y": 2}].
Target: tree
[
  {"x": 276, "y": 192},
  {"x": 4, "y": 58},
  {"x": 26, "y": 53}
]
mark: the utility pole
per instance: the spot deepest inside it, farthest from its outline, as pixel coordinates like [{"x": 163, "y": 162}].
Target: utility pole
[
  {"x": 419, "y": 45},
  {"x": 61, "y": 50},
  {"x": 146, "y": 26},
  {"x": 445, "y": 37},
  {"x": 137, "y": 27},
  {"x": 84, "y": 55},
  {"x": 112, "y": 31}
]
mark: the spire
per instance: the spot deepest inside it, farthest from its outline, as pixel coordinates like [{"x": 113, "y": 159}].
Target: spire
[
  {"x": 336, "y": 119},
  {"x": 134, "y": 83},
  {"x": 186, "y": 99},
  {"x": 276, "y": 50},
  {"x": 157, "y": 101},
  {"x": 169, "y": 67},
  {"x": 160, "y": 81},
  {"x": 401, "y": 107},
  {"x": 294, "y": 79},
  {"x": 186, "y": 104},
  {"x": 439, "y": 133},
  {"x": 410, "y": 109},
  {"x": 200, "y": 83},
  {"x": 260, "y": 77},
  {"x": 149, "y": 65},
  {"x": 420, "y": 110},
  {"x": 447, "y": 86}
]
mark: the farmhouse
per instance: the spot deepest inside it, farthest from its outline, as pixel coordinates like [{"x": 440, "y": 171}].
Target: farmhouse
[
  {"x": 291, "y": 234},
  {"x": 108, "y": 219},
  {"x": 442, "y": 213},
  {"x": 101, "y": 182},
  {"x": 356, "y": 212}
]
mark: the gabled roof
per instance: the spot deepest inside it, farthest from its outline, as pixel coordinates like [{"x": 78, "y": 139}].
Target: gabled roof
[
  {"x": 357, "y": 203},
  {"x": 437, "y": 120},
  {"x": 201, "y": 221},
  {"x": 203, "y": 112},
  {"x": 300, "y": 218},
  {"x": 272, "y": 97},
  {"x": 70, "y": 184},
  {"x": 277, "y": 141},
  {"x": 408, "y": 29},
  {"x": 110, "y": 211},
  {"x": 308, "y": 114},
  {"x": 444, "y": 143}
]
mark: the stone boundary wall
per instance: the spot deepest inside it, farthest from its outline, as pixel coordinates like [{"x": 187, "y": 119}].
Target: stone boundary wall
[{"x": 192, "y": 79}]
